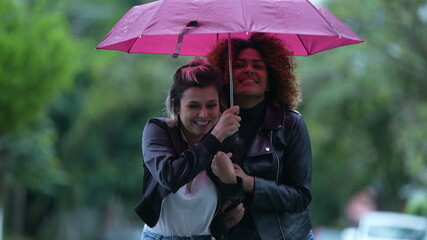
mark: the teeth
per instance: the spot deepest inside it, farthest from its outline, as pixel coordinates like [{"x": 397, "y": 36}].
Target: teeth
[
  {"x": 249, "y": 80},
  {"x": 202, "y": 123}
]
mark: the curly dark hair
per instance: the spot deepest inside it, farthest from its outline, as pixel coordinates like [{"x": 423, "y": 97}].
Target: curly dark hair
[{"x": 285, "y": 90}]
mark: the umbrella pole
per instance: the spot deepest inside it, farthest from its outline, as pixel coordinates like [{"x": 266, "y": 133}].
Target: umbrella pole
[
  {"x": 235, "y": 138},
  {"x": 230, "y": 71}
]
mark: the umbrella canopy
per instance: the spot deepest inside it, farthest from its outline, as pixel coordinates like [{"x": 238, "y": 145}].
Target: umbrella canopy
[{"x": 193, "y": 27}]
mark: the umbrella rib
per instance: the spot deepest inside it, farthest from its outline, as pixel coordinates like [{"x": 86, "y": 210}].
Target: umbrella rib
[
  {"x": 305, "y": 48},
  {"x": 133, "y": 43},
  {"x": 145, "y": 27},
  {"x": 315, "y": 8},
  {"x": 244, "y": 15}
]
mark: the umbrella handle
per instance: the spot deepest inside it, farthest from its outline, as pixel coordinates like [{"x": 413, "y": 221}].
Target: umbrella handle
[
  {"x": 230, "y": 71},
  {"x": 235, "y": 138}
]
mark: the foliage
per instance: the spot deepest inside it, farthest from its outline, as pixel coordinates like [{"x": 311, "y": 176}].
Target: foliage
[
  {"x": 36, "y": 62},
  {"x": 31, "y": 75},
  {"x": 30, "y": 161}
]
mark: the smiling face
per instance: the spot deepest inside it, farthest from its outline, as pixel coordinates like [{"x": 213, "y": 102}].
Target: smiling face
[
  {"x": 199, "y": 111},
  {"x": 250, "y": 78}
]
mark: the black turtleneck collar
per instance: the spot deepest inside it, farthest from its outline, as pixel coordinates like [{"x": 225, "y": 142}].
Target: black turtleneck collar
[{"x": 253, "y": 115}]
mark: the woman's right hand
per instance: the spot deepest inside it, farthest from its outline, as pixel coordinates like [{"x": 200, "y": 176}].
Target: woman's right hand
[{"x": 228, "y": 123}]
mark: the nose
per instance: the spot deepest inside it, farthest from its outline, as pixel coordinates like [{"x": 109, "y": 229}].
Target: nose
[
  {"x": 203, "y": 113},
  {"x": 249, "y": 69}
]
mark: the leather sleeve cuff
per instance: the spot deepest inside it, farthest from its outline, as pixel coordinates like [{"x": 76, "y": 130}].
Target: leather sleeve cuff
[
  {"x": 211, "y": 143},
  {"x": 233, "y": 192}
]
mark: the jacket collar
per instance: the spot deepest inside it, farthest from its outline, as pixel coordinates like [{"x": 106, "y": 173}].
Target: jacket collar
[{"x": 274, "y": 118}]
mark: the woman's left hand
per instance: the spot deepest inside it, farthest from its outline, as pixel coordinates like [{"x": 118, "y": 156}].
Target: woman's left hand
[
  {"x": 234, "y": 215},
  {"x": 222, "y": 167}
]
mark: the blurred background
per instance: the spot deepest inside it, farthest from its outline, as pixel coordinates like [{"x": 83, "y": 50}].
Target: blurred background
[{"x": 71, "y": 118}]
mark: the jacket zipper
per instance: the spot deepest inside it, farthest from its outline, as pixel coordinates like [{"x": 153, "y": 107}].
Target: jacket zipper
[
  {"x": 277, "y": 181},
  {"x": 277, "y": 157}
]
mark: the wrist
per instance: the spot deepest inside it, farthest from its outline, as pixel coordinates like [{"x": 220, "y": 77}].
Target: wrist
[
  {"x": 249, "y": 184},
  {"x": 218, "y": 136}
]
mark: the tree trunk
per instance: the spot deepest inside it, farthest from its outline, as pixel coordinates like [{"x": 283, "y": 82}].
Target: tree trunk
[{"x": 2, "y": 204}]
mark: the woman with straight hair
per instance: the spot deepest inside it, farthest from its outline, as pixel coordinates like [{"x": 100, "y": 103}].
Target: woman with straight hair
[{"x": 181, "y": 195}]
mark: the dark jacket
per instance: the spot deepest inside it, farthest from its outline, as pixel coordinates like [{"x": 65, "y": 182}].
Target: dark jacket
[
  {"x": 169, "y": 165},
  {"x": 279, "y": 158}
]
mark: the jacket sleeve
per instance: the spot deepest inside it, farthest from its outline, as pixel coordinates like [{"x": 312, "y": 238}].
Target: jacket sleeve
[
  {"x": 169, "y": 167},
  {"x": 292, "y": 191},
  {"x": 233, "y": 192}
]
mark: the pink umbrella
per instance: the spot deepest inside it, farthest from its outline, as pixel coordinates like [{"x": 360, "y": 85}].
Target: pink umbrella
[{"x": 192, "y": 27}]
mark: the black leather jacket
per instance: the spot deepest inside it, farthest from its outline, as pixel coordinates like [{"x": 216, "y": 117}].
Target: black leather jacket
[
  {"x": 279, "y": 158},
  {"x": 169, "y": 165}
]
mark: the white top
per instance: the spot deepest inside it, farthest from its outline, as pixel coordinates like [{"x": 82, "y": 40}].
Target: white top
[{"x": 190, "y": 210}]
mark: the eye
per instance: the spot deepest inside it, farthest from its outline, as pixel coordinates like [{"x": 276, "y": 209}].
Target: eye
[
  {"x": 211, "y": 105},
  {"x": 259, "y": 66},
  {"x": 193, "y": 105},
  {"x": 238, "y": 65}
]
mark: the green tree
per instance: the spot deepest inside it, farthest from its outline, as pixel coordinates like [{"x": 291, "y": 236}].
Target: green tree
[{"x": 37, "y": 62}]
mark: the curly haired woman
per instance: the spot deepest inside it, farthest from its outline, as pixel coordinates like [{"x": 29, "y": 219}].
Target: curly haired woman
[{"x": 274, "y": 158}]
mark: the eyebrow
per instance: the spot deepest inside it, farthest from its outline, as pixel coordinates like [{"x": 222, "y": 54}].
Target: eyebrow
[
  {"x": 243, "y": 60},
  {"x": 193, "y": 102},
  {"x": 197, "y": 102}
]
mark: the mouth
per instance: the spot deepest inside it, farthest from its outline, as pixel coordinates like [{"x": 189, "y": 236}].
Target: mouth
[
  {"x": 202, "y": 123},
  {"x": 248, "y": 81}
]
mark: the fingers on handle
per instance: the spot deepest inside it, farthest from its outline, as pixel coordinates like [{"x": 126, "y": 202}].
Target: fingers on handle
[{"x": 235, "y": 109}]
